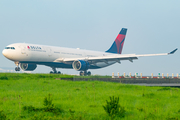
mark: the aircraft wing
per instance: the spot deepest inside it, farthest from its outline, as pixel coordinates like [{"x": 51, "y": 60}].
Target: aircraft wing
[{"x": 113, "y": 57}]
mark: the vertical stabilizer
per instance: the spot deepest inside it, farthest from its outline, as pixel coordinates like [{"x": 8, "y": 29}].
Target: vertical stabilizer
[{"x": 117, "y": 45}]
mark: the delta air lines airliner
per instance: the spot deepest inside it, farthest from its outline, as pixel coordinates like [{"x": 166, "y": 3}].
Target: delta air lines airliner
[{"x": 28, "y": 56}]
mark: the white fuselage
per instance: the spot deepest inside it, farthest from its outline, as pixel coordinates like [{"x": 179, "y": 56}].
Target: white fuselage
[{"x": 45, "y": 55}]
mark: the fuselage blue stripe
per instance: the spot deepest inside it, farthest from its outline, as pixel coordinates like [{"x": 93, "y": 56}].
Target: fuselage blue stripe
[{"x": 57, "y": 65}]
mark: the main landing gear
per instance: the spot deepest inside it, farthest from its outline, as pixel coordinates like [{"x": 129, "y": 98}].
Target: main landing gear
[
  {"x": 55, "y": 71},
  {"x": 85, "y": 73}
]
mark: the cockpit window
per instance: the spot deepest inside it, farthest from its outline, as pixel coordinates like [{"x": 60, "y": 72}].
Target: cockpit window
[{"x": 10, "y": 48}]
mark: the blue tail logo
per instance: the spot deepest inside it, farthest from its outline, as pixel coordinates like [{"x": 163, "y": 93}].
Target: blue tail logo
[{"x": 117, "y": 46}]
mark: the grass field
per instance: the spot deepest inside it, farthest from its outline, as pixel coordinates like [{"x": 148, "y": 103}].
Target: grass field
[{"x": 82, "y": 99}]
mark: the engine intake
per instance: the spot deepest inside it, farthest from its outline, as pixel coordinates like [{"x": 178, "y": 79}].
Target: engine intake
[
  {"x": 28, "y": 67},
  {"x": 80, "y": 65}
]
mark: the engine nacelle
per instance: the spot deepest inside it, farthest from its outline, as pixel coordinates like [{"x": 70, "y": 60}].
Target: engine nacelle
[
  {"x": 80, "y": 65},
  {"x": 28, "y": 67}
]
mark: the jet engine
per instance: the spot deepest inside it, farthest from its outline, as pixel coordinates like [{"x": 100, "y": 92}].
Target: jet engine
[
  {"x": 80, "y": 65},
  {"x": 28, "y": 67}
]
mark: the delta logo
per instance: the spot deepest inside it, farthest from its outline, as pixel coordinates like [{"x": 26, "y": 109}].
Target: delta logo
[{"x": 34, "y": 47}]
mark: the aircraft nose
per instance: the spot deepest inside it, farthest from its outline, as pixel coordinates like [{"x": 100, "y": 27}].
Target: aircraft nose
[
  {"x": 4, "y": 52},
  {"x": 7, "y": 54}
]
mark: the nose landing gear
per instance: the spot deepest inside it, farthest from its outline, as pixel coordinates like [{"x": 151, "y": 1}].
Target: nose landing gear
[{"x": 17, "y": 68}]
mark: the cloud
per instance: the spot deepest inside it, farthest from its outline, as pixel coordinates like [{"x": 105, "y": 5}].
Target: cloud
[{"x": 2, "y": 69}]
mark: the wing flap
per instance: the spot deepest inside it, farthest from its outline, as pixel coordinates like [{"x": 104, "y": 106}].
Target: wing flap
[{"x": 100, "y": 58}]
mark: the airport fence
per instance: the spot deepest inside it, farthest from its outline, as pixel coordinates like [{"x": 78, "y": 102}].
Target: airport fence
[
  {"x": 159, "y": 76},
  {"x": 126, "y": 80}
]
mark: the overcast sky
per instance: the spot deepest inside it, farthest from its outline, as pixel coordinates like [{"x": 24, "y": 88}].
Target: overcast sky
[{"x": 153, "y": 27}]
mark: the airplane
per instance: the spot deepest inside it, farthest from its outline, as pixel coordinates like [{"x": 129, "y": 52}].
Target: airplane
[{"x": 28, "y": 56}]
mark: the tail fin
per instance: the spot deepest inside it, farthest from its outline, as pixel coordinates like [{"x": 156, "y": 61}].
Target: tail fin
[{"x": 117, "y": 46}]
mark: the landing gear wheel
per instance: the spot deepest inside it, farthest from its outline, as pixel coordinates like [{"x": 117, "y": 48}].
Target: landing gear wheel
[
  {"x": 17, "y": 68},
  {"x": 89, "y": 73},
  {"x": 85, "y": 73},
  {"x": 81, "y": 73},
  {"x": 55, "y": 72}
]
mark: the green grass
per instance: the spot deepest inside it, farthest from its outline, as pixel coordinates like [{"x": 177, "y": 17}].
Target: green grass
[{"x": 83, "y": 99}]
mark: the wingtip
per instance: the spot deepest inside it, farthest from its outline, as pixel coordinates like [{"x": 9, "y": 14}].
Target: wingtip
[{"x": 172, "y": 52}]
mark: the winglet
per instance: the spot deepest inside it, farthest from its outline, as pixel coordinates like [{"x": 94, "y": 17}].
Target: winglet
[{"x": 172, "y": 52}]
